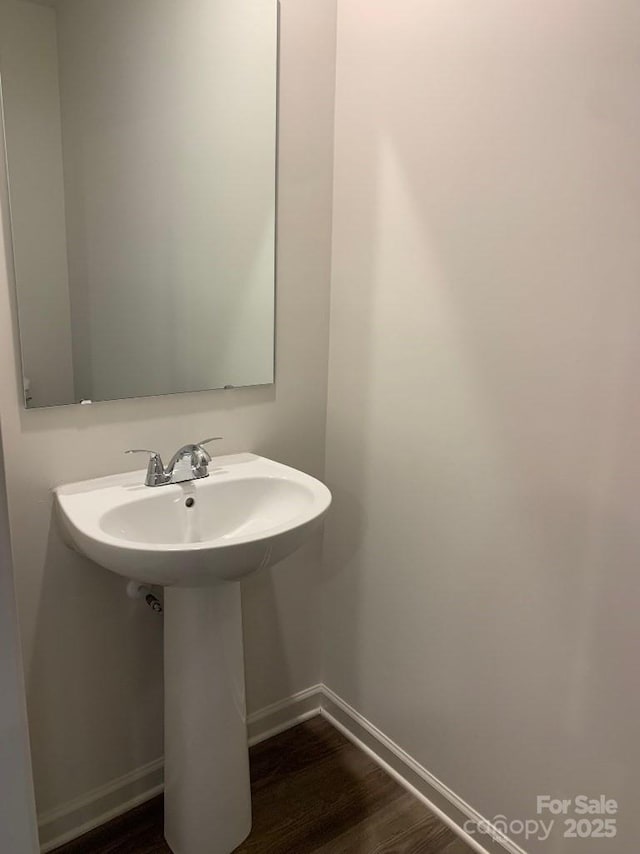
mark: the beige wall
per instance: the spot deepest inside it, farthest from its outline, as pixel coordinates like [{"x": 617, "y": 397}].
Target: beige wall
[
  {"x": 93, "y": 657},
  {"x": 482, "y": 556}
]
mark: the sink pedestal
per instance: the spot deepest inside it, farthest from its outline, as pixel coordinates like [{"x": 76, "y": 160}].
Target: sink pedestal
[{"x": 207, "y": 786}]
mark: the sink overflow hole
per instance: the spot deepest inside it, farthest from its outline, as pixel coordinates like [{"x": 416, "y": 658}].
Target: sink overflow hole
[{"x": 190, "y": 502}]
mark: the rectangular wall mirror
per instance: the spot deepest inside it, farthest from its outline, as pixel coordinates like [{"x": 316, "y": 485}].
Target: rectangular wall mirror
[{"x": 141, "y": 153}]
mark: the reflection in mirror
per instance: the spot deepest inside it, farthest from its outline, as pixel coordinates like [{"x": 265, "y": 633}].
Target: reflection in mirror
[{"x": 141, "y": 149}]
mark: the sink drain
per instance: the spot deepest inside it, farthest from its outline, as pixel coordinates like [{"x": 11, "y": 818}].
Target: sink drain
[{"x": 189, "y": 502}]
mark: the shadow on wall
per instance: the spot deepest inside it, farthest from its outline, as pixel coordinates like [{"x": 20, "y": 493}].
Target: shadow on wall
[
  {"x": 95, "y": 669},
  {"x": 483, "y": 386},
  {"x": 270, "y": 623}
]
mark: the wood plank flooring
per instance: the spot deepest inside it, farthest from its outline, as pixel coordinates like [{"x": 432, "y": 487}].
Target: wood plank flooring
[{"x": 313, "y": 793}]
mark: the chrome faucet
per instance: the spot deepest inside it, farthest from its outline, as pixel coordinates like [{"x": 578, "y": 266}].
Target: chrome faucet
[{"x": 190, "y": 462}]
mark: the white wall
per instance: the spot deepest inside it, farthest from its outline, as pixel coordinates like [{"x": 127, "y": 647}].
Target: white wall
[
  {"x": 482, "y": 555},
  {"x": 169, "y": 128},
  {"x": 18, "y": 829},
  {"x": 92, "y": 657},
  {"x": 30, "y": 90}
]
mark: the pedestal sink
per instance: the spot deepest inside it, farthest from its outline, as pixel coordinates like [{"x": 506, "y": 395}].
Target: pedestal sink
[{"x": 198, "y": 539}]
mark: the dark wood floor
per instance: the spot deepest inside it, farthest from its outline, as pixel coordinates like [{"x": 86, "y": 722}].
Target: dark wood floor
[{"x": 313, "y": 793}]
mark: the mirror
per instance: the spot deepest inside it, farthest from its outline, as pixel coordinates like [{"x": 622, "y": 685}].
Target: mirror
[{"x": 141, "y": 154}]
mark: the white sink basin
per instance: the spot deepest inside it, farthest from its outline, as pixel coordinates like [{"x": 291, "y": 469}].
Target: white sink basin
[
  {"x": 250, "y": 512},
  {"x": 195, "y": 538}
]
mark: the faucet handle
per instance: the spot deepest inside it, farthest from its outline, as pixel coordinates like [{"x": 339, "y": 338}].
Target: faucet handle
[
  {"x": 204, "y": 451},
  {"x": 155, "y": 469},
  {"x": 154, "y": 454}
]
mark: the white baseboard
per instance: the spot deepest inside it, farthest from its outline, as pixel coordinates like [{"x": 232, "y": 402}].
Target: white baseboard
[
  {"x": 448, "y": 806},
  {"x": 68, "y": 821},
  {"x": 101, "y": 805},
  {"x": 288, "y": 713}
]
